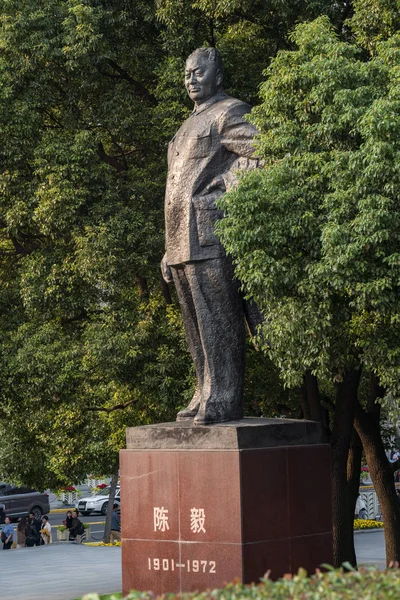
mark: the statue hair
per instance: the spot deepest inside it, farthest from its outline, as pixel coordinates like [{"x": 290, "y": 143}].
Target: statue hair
[{"x": 212, "y": 54}]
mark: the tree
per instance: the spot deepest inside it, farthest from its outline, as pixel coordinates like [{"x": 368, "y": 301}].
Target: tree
[
  {"x": 85, "y": 117},
  {"x": 90, "y": 93},
  {"x": 315, "y": 238}
]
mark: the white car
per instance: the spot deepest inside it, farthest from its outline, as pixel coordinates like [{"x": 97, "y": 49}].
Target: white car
[{"x": 97, "y": 503}]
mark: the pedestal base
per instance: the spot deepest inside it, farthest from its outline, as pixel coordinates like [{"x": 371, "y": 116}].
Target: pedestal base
[{"x": 202, "y": 506}]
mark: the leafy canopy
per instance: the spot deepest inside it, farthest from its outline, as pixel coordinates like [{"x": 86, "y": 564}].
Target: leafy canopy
[
  {"x": 90, "y": 94},
  {"x": 315, "y": 233}
]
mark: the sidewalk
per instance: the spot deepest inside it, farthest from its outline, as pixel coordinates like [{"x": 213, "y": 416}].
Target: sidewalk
[
  {"x": 370, "y": 548},
  {"x": 68, "y": 571},
  {"x": 59, "y": 572}
]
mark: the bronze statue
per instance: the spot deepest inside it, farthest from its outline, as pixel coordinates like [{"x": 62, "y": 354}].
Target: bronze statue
[{"x": 203, "y": 156}]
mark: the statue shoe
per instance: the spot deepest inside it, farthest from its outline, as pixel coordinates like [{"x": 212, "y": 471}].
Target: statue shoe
[
  {"x": 212, "y": 414},
  {"x": 191, "y": 410}
]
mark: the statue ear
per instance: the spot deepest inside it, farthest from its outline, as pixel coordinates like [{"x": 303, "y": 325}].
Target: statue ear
[{"x": 220, "y": 77}]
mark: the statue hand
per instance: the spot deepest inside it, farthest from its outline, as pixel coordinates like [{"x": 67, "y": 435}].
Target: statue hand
[{"x": 166, "y": 270}]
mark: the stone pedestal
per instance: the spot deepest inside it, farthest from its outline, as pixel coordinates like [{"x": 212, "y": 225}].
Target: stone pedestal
[{"x": 202, "y": 506}]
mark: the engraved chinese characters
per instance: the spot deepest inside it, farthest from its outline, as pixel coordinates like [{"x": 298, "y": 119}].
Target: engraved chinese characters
[
  {"x": 203, "y": 158},
  {"x": 160, "y": 519},
  {"x": 197, "y": 519}
]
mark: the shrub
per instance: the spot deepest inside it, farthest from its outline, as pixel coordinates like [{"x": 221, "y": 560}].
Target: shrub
[{"x": 337, "y": 584}]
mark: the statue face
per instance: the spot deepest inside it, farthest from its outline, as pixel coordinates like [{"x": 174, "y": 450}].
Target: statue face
[{"x": 202, "y": 79}]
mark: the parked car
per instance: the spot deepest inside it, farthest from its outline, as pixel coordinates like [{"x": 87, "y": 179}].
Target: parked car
[
  {"x": 20, "y": 501},
  {"x": 97, "y": 503}
]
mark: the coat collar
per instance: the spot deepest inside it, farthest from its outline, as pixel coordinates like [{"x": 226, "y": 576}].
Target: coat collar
[{"x": 216, "y": 98}]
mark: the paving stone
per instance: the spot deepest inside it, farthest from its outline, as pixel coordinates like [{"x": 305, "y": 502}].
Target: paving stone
[{"x": 59, "y": 572}]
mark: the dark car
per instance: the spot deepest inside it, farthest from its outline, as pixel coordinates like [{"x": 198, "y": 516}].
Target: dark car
[{"x": 20, "y": 501}]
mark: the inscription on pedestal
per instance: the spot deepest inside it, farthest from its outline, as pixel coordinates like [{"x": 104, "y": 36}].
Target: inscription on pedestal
[
  {"x": 194, "y": 566},
  {"x": 197, "y": 519},
  {"x": 197, "y": 525}
]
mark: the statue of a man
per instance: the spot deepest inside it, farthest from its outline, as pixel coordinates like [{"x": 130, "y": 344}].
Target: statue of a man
[{"x": 203, "y": 157}]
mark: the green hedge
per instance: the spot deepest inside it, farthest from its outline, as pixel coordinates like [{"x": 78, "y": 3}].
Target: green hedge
[{"x": 365, "y": 584}]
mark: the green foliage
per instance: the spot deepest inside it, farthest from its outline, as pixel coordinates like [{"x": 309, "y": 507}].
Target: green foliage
[
  {"x": 315, "y": 232},
  {"x": 247, "y": 33},
  {"x": 84, "y": 326},
  {"x": 374, "y": 21},
  {"x": 332, "y": 585},
  {"x": 90, "y": 94}
]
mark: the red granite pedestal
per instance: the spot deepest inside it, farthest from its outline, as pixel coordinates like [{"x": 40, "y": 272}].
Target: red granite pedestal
[{"x": 202, "y": 506}]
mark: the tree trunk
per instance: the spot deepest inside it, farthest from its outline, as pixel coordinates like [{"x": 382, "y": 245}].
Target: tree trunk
[
  {"x": 311, "y": 406},
  {"x": 353, "y": 479},
  {"x": 382, "y": 477},
  {"x": 143, "y": 287},
  {"x": 346, "y": 398},
  {"x": 111, "y": 497},
  {"x": 312, "y": 403}
]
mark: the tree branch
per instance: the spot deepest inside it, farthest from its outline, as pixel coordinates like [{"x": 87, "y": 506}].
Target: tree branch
[
  {"x": 139, "y": 88},
  {"x": 113, "y": 161},
  {"x": 376, "y": 391},
  {"x": 18, "y": 248}
]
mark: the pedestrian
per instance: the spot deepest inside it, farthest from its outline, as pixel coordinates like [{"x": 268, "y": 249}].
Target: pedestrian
[
  {"x": 45, "y": 531},
  {"x": 21, "y": 532},
  {"x": 77, "y": 527},
  {"x": 7, "y": 535},
  {"x": 68, "y": 521},
  {"x": 361, "y": 508},
  {"x": 115, "y": 525},
  {"x": 33, "y": 531}
]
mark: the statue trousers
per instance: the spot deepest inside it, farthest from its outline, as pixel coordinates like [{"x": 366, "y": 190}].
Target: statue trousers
[{"x": 213, "y": 315}]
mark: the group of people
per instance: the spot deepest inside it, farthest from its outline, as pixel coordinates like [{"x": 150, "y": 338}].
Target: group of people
[
  {"x": 35, "y": 532},
  {"x": 30, "y": 532},
  {"x": 74, "y": 525}
]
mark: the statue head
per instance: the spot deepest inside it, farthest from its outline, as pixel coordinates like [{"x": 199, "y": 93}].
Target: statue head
[{"x": 203, "y": 74}]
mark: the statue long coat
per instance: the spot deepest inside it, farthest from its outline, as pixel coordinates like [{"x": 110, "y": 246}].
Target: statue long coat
[{"x": 203, "y": 156}]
